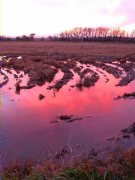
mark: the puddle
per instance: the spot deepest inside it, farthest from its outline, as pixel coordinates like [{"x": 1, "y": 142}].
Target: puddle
[{"x": 27, "y": 128}]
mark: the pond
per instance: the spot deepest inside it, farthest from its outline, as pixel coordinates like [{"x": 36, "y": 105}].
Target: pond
[{"x": 30, "y": 127}]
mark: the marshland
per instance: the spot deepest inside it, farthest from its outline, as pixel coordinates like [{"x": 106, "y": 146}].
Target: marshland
[{"x": 67, "y": 110}]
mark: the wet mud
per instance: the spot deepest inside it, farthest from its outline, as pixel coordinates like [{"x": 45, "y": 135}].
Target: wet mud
[{"x": 41, "y": 71}]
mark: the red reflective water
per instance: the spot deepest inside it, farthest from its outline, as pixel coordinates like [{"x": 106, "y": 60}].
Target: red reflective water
[{"x": 28, "y": 133}]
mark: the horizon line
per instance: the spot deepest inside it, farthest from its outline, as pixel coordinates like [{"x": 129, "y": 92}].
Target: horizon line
[{"x": 54, "y": 34}]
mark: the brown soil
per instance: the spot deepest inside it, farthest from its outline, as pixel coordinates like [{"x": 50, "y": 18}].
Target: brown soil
[{"x": 62, "y": 50}]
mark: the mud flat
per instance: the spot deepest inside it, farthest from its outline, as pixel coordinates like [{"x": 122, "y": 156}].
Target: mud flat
[
  {"x": 42, "y": 60},
  {"x": 40, "y": 70}
]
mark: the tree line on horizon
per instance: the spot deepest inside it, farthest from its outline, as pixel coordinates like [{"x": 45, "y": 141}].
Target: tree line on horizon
[
  {"x": 95, "y": 34},
  {"x": 82, "y": 34},
  {"x": 31, "y": 37}
]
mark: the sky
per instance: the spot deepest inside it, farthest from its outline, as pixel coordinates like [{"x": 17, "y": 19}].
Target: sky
[{"x": 48, "y": 17}]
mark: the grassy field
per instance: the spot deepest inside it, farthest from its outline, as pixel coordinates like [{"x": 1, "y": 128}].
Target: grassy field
[{"x": 67, "y": 48}]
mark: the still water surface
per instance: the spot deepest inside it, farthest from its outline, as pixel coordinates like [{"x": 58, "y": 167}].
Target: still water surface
[{"x": 26, "y": 128}]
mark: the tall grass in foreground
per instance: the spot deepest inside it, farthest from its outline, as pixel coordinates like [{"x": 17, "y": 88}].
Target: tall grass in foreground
[{"x": 118, "y": 165}]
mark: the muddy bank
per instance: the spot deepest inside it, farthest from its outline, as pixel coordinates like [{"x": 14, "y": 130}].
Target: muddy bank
[
  {"x": 126, "y": 96},
  {"x": 117, "y": 164},
  {"x": 68, "y": 75},
  {"x": 41, "y": 70},
  {"x": 4, "y": 78},
  {"x": 130, "y": 130},
  {"x": 88, "y": 81}
]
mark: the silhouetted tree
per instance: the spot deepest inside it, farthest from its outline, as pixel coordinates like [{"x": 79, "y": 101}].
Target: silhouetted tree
[{"x": 31, "y": 36}]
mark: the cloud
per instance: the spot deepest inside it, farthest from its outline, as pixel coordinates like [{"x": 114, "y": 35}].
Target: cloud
[
  {"x": 53, "y": 16},
  {"x": 127, "y": 9}
]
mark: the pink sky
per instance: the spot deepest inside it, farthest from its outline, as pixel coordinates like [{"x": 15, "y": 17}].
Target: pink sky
[{"x": 46, "y": 17}]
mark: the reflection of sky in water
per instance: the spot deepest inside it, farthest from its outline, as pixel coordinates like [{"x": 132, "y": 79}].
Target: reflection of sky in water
[{"x": 27, "y": 130}]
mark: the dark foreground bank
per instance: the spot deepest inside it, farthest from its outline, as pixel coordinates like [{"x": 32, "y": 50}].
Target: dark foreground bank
[{"x": 117, "y": 165}]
